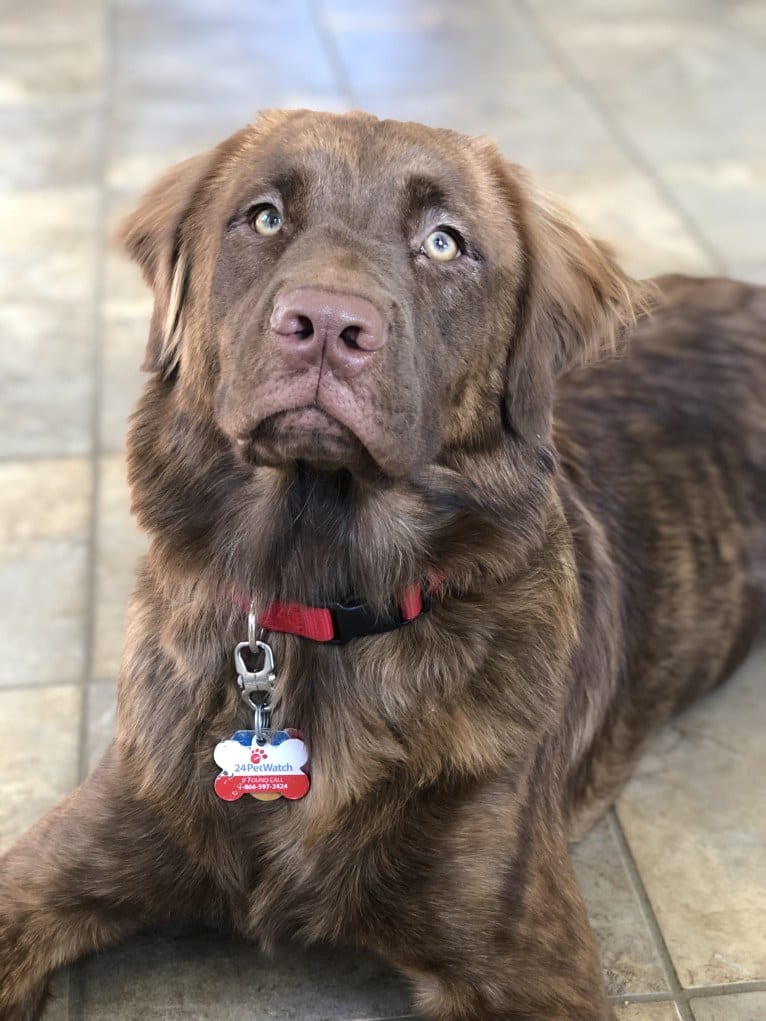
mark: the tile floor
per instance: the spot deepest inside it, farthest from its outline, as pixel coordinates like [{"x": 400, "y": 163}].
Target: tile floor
[{"x": 648, "y": 116}]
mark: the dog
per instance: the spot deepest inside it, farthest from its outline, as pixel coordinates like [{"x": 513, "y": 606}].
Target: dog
[{"x": 467, "y": 561}]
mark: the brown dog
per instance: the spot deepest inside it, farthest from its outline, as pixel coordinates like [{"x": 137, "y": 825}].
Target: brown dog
[{"x": 357, "y": 329}]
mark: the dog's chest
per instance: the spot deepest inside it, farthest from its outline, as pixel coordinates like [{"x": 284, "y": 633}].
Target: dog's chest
[
  {"x": 337, "y": 876},
  {"x": 333, "y": 887}
]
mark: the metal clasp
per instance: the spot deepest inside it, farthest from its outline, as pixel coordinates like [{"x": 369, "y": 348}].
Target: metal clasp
[{"x": 256, "y": 685}]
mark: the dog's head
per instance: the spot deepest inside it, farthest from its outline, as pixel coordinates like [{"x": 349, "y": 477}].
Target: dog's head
[
  {"x": 350, "y": 293},
  {"x": 356, "y": 333}
]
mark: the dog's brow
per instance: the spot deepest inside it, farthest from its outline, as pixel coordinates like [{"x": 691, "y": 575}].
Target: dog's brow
[
  {"x": 422, "y": 193},
  {"x": 289, "y": 183}
]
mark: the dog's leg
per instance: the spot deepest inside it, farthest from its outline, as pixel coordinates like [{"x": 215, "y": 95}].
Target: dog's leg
[
  {"x": 502, "y": 933},
  {"x": 541, "y": 965},
  {"x": 94, "y": 869}
]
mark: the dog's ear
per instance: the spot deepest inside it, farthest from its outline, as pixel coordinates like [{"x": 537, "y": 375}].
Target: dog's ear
[
  {"x": 154, "y": 236},
  {"x": 576, "y": 303}
]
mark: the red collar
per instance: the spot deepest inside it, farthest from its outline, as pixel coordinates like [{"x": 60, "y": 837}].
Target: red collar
[{"x": 338, "y": 623}]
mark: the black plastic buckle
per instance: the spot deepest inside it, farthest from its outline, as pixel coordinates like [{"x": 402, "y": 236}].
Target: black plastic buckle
[{"x": 357, "y": 619}]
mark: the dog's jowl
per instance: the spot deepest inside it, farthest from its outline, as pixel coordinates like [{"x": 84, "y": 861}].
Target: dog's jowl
[{"x": 465, "y": 572}]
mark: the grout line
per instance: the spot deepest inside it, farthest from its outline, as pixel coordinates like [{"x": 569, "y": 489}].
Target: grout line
[
  {"x": 36, "y": 456},
  {"x": 332, "y": 52},
  {"x": 693, "y": 992},
  {"x": 75, "y": 1002},
  {"x": 730, "y": 989},
  {"x": 626, "y": 998},
  {"x": 41, "y": 685},
  {"x": 679, "y": 993},
  {"x": 34, "y": 684},
  {"x": 393, "y": 1017},
  {"x": 676, "y": 990},
  {"x": 621, "y": 136},
  {"x": 96, "y": 401}
]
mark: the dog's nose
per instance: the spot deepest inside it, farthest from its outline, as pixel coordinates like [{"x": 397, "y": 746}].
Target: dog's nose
[{"x": 311, "y": 324}]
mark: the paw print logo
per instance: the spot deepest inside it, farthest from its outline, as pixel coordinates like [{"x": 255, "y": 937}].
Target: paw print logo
[{"x": 258, "y": 755}]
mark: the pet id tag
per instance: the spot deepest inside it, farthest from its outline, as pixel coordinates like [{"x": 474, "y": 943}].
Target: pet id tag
[{"x": 265, "y": 770}]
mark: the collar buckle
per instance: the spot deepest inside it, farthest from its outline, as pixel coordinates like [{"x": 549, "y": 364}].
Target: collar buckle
[{"x": 358, "y": 619}]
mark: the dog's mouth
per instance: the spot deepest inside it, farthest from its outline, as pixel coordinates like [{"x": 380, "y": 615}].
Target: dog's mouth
[{"x": 309, "y": 436}]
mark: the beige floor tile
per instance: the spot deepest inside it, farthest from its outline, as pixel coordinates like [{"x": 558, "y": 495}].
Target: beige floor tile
[
  {"x": 165, "y": 109},
  {"x": 738, "y": 1007},
  {"x": 125, "y": 292},
  {"x": 342, "y": 16},
  {"x": 698, "y": 79},
  {"x": 204, "y": 979},
  {"x": 45, "y": 379},
  {"x": 754, "y": 272},
  {"x": 125, "y": 336},
  {"x": 120, "y": 544},
  {"x": 51, "y": 53},
  {"x": 48, "y": 240},
  {"x": 44, "y": 723},
  {"x": 607, "y": 9},
  {"x": 627, "y": 952},
  {"x": 749, "y": 19},
  {"x": 177, "y": 19},
  {"x": 726, "y": 198},
  {"x": 702, "y": 74},
  {"x": 647, "y": 1012},
  {"x": 146, "y": 139},
  {"x": 154, "y": 61},
  {"x": 44, "y": 512},
  {"x": 124, "y": 288},
  {"x": 624, "y": 208},
  {"x": 443, "y": 44},
  {"x": 43, "y": 70},
  {"x": 101, "y": 708},
  {"x": 126, "y": 311},
  {"x": 43, "y": 500},
  {"x": 49, "y": 21},
  {"x": 695, "y": 818},
  {"x": 55, "y": 145}
]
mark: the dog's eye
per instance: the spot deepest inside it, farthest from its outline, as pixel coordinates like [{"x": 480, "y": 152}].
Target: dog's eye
[
  {"x": 441, "y": 246},
  {"x": 266, "y": 220}
]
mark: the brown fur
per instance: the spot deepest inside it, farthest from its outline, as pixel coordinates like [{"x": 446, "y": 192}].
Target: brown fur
[{"x": 605, "y": 563}]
